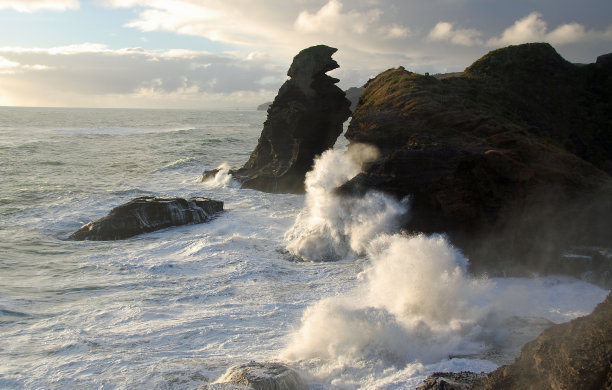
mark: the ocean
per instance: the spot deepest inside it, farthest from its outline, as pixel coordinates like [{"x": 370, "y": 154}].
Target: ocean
[{"x": 325, "y": 285}]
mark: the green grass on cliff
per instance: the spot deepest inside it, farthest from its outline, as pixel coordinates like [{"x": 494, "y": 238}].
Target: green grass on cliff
[{"x": 529, "y": 87}]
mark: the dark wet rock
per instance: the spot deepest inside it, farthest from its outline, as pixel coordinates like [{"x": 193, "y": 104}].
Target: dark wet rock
[
  {"x": 510, "y": 158},
  {"x": 147, "y": 214},
  {"x": 464, "y": 380},
  {"x": 304, "y": 120},
  {"x": 573, "y": 355},
  {"x": 263, "y": 376}
]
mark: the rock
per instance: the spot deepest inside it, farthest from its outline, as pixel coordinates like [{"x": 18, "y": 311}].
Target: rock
[
  {"x": 147, "y": 214},
  {"x": 573, "y": 355},
  {"x": 507, "y": 158},
  {"x": 264, "y": 106},
  {"x": 304, "y": 120},
  {"x": 264, "y": 376},
  {"x": 353, "y": 94},
  {"x": 604, "y": 61},
  {"x": 463, "y": 380}
]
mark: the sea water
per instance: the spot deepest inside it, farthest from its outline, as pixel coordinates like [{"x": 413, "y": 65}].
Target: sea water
[{"x": 325, "y": 285}]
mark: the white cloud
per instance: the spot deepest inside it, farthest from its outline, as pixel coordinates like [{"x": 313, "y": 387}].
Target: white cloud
[
  {"x": 90, "y": 74},
  {"x": 533, "y": 28},
  {"x": 8, "y": 66},
  {"x": 529, "y": 29},
  {"x": 330, "y": 19},
  {"x": 567, "y": 33},
  {"x": 39, "y": 5},
  {"x": 444, "y": 31},
  {"x": 216, "y": 20},
  {"x": 279, "y": 29},
  {"x": 321, "y": 21}
]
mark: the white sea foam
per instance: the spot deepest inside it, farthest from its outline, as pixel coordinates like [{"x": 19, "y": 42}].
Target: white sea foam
[
  {"x": 222, "y": 178},
  {"x": 177, "y": 307},
  {"x": 332, "y": 227},
  {"x": 415, "y": 304}
]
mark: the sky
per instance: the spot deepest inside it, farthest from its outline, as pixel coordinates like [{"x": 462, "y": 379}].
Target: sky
[{"x": 212, "y": 54}]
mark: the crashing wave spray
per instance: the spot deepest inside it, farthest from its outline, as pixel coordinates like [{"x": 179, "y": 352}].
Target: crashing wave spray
[
  {"x": 222, "y": 178},
  {"x": 332, "y": 227},
  {"x": 416, "y": 303}
]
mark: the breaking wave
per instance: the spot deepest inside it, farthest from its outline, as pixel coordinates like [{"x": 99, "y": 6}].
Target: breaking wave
[
  {"x": 332, "y": 227},
  {"x": 415, "y": 302}
]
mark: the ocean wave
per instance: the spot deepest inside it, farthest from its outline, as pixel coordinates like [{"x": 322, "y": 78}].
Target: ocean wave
[
  {"x": 134, "y": 192},
  {"x": 332, "y": 227},
  {"x": 179, "y": 164},
  {"x": 414, "y": 303},
  {"x": 222, "y": 178}
]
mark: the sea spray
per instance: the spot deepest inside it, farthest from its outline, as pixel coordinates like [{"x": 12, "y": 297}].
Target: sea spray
[
  {"x": 332, "y": 227},
  {"x": 222, "y": 178},
  {"x": 416, "y": 302}
]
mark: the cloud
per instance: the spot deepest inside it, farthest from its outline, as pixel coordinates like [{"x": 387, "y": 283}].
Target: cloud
[
  {"x": 96, "y": 73},
  {"x": 39, "y": 5},
  {"x": 8, "y": 66},
  {"x": 330, "y": 19},
  {"x": 529, "y": 29},
  {"x": 277, "y": 28},
  {"x": 533, "y": 28},
  {"x": 444, "y": 31}
]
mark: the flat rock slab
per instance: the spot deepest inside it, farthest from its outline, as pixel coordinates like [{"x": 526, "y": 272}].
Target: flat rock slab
[{"x": 147, "y": 214}]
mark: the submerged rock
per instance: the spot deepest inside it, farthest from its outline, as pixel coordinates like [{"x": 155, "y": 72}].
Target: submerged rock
[
  {"x": 510, "y": 158},
  {"x": 263, "y": 376},
  {"x": 147, "y": 214},
  {"x": 304, "y": 120}
]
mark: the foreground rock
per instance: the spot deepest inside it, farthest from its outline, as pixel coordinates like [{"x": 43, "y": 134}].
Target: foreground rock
[
  {"x": 464, "y": 380},
  {"x": 304, "y": 120},
  {"x": 260, "y": 376},
  {"x": 573, "y": 355},
  {"x": 511, "y": 158},
  {"x": 147, "y": 214}
]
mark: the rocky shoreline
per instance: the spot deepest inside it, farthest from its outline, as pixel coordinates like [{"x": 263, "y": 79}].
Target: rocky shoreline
[
  {"x": 509, "y": 158},
  {"x": 573, "y": 355}
]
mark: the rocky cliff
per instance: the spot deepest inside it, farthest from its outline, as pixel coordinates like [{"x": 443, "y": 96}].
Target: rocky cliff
[
  {"x": 304, "y": 120},
  {"x": 509, "y": 157}
]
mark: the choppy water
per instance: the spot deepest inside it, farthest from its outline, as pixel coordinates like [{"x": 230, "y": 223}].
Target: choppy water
[{"x": 175, "y": 308}]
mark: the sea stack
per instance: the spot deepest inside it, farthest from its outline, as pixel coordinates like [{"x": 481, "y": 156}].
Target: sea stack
[{"x": 304, "y": 120}]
